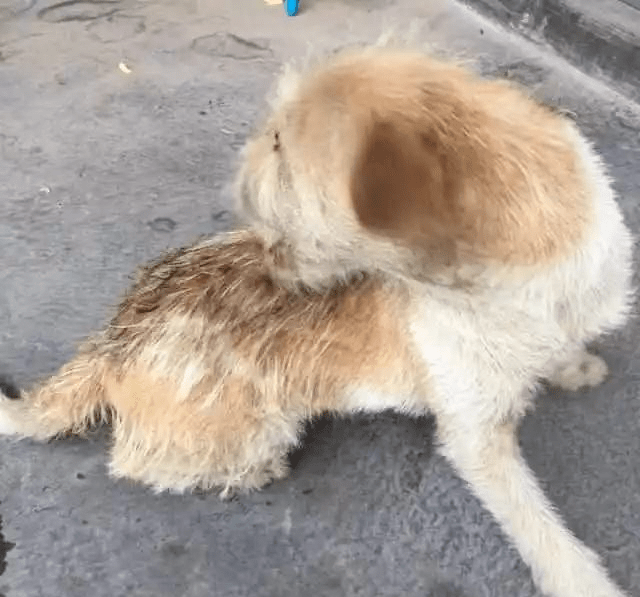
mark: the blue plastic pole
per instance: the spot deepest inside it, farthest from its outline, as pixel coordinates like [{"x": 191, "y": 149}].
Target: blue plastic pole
[{"x": 291, "y": 6}]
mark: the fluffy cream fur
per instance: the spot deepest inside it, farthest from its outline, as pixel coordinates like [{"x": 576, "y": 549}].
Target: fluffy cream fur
[{"x": 420, "y": 239}]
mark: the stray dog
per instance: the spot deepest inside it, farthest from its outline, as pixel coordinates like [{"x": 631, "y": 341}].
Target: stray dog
[
  {"x": 500, "y": 219},
  {"x": 417, "y": 239}
]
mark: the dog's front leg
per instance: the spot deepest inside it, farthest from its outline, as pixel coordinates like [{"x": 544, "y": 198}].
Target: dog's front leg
[{"x": 489, "y": 458}]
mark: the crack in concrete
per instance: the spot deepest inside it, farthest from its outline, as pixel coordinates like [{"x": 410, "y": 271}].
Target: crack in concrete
[
  {"x": 79, "y": 17},
  {"x": 233, "y": 46}
]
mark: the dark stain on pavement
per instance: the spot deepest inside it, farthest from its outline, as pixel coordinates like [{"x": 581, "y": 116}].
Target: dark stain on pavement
[
  {"x": 173, "y": 549},
  {"x": 522, "y": 72},
  {"x": 8, "y": 388},
  {"x": 220, "y": 216},
  {"x": 162, "y": 224},
  {"x": 5, "y": 547}
]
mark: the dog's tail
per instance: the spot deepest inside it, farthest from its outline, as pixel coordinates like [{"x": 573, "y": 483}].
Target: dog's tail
[{"x": 70, "y": 402}]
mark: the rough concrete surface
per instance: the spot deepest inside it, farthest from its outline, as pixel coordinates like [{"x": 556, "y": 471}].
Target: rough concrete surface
[
  {"x": 101, "y": 170},
  {"x": 601, "y": 36}
]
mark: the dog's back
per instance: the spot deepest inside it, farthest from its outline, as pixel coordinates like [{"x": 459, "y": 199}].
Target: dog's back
[{"x": 209, "y": 367}]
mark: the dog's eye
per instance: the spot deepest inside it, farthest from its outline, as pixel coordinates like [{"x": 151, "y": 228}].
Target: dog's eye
[{"x": 276, "y": 141}]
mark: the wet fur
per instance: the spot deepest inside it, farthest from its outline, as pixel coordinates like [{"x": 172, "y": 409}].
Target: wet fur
[{"x": 419, "y": 239}]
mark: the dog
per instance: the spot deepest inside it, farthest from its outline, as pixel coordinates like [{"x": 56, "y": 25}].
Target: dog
[
  {"x": 500, "y": 219},
  {"x": 415, "y": 238}
]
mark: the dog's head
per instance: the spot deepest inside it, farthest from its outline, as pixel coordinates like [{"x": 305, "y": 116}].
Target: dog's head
[{"x": 394, "y": 161}]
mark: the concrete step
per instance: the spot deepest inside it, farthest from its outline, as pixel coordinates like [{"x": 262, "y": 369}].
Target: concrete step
[{"x": 602, "y": 37}]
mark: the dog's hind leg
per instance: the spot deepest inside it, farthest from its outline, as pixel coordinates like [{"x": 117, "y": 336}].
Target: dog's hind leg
[
  {"x": 489, "y": 458},
  {"x": 222, "y": 435}
]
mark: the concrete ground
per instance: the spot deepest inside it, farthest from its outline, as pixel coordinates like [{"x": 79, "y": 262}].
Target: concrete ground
[
  {"x": 102, "y": 169},
  {"x": 602, "y": 37}
]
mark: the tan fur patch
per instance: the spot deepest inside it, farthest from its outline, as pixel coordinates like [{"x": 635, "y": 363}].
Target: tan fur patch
[
  {"x": 380, "y": 146},
  {"x": 446, "y": 156}
]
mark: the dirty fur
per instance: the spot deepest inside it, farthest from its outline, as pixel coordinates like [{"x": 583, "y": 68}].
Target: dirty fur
[{"x": 210, "y": 368}]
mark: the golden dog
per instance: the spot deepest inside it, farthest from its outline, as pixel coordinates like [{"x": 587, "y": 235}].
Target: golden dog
[{"x": 416, "y": 238}]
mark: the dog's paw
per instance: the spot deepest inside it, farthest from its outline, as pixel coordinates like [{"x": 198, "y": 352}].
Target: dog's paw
[
  {"x": 258, "y": 477},
  {"x": 585, "y": 371}
]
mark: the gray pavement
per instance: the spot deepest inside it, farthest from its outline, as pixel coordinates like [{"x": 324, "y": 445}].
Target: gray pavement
[
  {"x": 100, "y": 170},
  {"x": 601, "y": 36}
]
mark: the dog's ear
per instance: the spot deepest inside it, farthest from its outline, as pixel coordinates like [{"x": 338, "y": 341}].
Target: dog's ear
[{"x": 405, "y": 185}]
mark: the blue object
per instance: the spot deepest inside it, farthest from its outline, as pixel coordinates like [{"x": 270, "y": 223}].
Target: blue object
[{"x": 291, "y": 6}]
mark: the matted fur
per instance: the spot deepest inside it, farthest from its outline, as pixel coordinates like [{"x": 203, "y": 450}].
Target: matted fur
[{"x": 492, "y": 250}]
